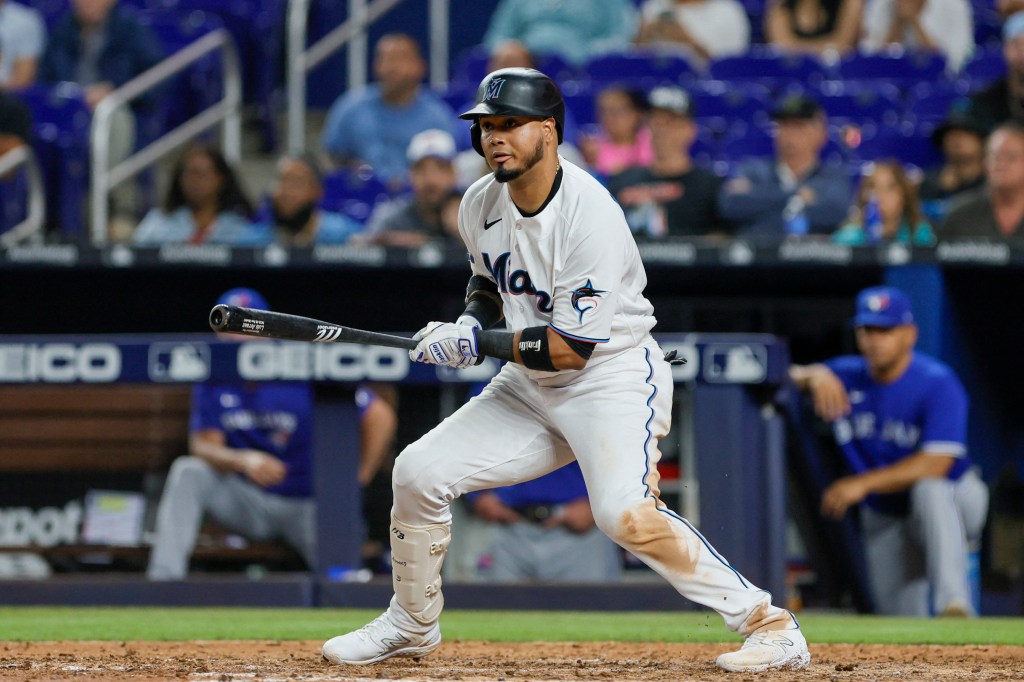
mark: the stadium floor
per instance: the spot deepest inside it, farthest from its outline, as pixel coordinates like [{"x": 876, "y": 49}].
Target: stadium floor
[{"x": 469, "y": 660}]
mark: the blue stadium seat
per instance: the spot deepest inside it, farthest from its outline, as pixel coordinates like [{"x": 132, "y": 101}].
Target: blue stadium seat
[
  {"x": 583, "y": 106},
  {"x": 988, "y": 27},
  {"x": 769, "y": 67},
  {"x": 717, "y": 106},
  {"x": 896, "y": 66},
  {"x": 353, "y": 194},
  {"x": 469, "y": 68},
  {"x": 861, "y": 102},
  {"x": 257, "y": 27},
  {"x": 930, "y": 103},
  {"x": 641, "y": 68},
  {"x": 915, "y": 149},
  {"x": 199, "y": 86},
  {"x": 985, "y": 67},
  {"x": 60, "y": 128}
]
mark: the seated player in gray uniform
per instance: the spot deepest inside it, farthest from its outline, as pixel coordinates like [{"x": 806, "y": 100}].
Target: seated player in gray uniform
[
  {"x": 900, "y": 419},
  {"x": 250, "y": 464}
]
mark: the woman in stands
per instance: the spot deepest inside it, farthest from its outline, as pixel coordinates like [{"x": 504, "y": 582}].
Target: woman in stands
[
  {"x": 205, "y": 205},
  {"x": 886, "y": 210},
  {"x": 817, "y": 27},
  {"x": 623, "y": 139}
]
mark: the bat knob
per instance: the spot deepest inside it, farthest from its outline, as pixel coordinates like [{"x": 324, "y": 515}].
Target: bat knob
[{"x": 219, "y": 317}]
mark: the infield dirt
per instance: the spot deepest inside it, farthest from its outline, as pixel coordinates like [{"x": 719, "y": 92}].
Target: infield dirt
[{"x": 464, "y": 660}]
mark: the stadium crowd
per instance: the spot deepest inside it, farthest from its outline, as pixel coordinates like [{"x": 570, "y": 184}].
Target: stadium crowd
[{"x": 857, "y": 121}]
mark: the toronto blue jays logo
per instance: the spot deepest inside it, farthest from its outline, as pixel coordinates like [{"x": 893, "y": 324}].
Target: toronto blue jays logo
[
  {"x": 587, "y": 295},
  {"x": 494, "y": 89},
  {"x": 516, "y": 282}
]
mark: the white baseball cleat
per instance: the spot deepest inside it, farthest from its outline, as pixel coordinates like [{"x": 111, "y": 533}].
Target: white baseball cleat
[
  {"x": 378, "y": 640},
  {"x": 770, "y": 650}
]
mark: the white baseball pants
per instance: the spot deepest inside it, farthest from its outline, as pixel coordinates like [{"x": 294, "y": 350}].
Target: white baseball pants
[{"x": 609, "y": 417}]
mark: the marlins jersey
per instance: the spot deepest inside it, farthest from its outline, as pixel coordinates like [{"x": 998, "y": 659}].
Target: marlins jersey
[
  {"x": 925, "y": 410},
  {"x": 572, "y": 266}
]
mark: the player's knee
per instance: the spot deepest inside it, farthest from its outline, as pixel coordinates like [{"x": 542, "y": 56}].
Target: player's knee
[
  {"x": 190, "y": 471},
  {"x": 929, "y": 492},
  {"x": 416, "y": 473},
  {"x": 608, "y": 519}
]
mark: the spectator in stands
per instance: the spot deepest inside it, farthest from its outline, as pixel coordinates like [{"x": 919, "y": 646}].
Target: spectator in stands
[
  {"x": 101, "y": 47},
  {"x": 1004, "y": 99},
  {"x": 374, "y": 125},
  {"x": 997, "y": 210},
  {"x": 296, "y": 218},
  {"x": 816, "y": 27},
  {"x": 623, "y": 139},
  {"x": 205, "y": 204},
  {"x": 793, "y": 194},
  {"x": 704, "y": 28},
  {"x": 576, "y": 30},
  {"x": 900, "y": 419},
  {"x": 415, "y": 220},
  {"x": 671, "y": 196},
  {"x": 544, "y": 530},
  {"x": 886, "y": 210},
  {"x": 962, "y": 141},
  {"x": 22, "y": 39},
  {"x": 15, "y": 132},
  {"x": 15, "y": 123},
  {"x": 250, "y": 462},
  {"x": 943, "y": 26}
]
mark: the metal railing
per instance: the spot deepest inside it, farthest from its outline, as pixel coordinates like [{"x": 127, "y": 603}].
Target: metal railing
[
  {"x": 32, "y": 225},
  {"x": 226, "y": 112},
  {"x": 352, "y": 32}
]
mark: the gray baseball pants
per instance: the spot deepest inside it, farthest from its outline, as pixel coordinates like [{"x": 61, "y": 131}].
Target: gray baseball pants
[
  {"x": 194, "y": 489},
  {"x": 917, "y": 564}
]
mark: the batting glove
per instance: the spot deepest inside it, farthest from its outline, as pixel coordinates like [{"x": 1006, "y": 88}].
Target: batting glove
[{"x": 446, "y": 343}]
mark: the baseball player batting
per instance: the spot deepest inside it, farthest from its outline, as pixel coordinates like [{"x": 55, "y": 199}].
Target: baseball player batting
[{"x": 551, "y": 254}]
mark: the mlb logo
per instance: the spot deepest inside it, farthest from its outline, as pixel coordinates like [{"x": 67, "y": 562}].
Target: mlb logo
[
  {"x": 185, "y": 362},
  {"x": 735, "y": 363}
]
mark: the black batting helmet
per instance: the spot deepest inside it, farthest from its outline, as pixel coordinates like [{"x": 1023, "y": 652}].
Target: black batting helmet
[{"x": 516, "y": 92}]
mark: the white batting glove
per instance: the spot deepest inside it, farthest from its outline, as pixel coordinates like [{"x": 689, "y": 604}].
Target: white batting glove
[{"x": 447, "y": 343}]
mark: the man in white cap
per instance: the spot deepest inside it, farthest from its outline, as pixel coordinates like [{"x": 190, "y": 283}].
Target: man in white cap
[{"x": 417, "y": 219}]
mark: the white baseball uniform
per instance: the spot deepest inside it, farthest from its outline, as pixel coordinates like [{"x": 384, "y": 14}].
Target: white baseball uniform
[{"x": 574, "y": 266}]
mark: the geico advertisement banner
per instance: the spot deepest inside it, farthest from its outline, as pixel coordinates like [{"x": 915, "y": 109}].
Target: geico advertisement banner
[{"x": 714, "y": 359}]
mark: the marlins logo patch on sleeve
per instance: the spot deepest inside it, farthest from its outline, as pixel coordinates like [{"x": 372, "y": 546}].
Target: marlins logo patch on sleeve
[{"x": 586, "y": 298}]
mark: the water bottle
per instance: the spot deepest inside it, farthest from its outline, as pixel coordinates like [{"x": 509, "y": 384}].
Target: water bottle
[
  {"x": 872, "y": 219},
  {"x": 794, "y": 217}
]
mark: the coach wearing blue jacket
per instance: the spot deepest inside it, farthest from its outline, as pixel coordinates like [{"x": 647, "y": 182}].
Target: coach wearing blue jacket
[{"x": 900, "y": 419}]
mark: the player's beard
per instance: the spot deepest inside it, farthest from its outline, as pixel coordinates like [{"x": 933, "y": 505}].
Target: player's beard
[{"x": 507, "y": 175}]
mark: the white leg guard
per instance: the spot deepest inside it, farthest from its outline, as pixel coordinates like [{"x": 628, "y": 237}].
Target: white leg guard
[{"x": 417, "y": 553}]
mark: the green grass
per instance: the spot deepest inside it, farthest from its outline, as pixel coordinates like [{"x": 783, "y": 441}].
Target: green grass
[{"x": 69, "y": 623}]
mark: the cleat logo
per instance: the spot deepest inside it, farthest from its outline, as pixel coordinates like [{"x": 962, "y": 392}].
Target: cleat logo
[{"x": 393, "y": 642}]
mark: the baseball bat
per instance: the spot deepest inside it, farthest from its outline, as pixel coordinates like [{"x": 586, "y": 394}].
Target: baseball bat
[{"x": 239, "y": 320}]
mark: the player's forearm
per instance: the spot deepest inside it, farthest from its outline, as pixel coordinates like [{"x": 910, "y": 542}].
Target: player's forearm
[
  {"x": 902, "y": 475},
  {"x": 217, "y": 454},
  {"x": 803, "y": 376},
  {"x": 527, "y": 351},
  {"x": 379, "y": 426}
]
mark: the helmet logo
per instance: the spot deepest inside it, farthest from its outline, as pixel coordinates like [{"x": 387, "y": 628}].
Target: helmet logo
[{"x": 494, "y": 88}]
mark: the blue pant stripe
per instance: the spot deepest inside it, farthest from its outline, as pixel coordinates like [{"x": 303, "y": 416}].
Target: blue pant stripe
[{"x": 647, "y": 471}]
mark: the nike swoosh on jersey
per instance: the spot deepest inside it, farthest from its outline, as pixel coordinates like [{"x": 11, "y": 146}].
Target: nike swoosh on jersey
[{"x": 488, "y": 225}]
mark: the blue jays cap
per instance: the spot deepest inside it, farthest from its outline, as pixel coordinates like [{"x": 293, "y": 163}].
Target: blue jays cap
[
  {"x": 884, "y": 307},
  {"x": 244, "y": 298}
]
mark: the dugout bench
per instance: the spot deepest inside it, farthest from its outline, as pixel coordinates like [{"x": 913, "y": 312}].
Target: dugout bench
[{"x": 728, "y": 438}]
